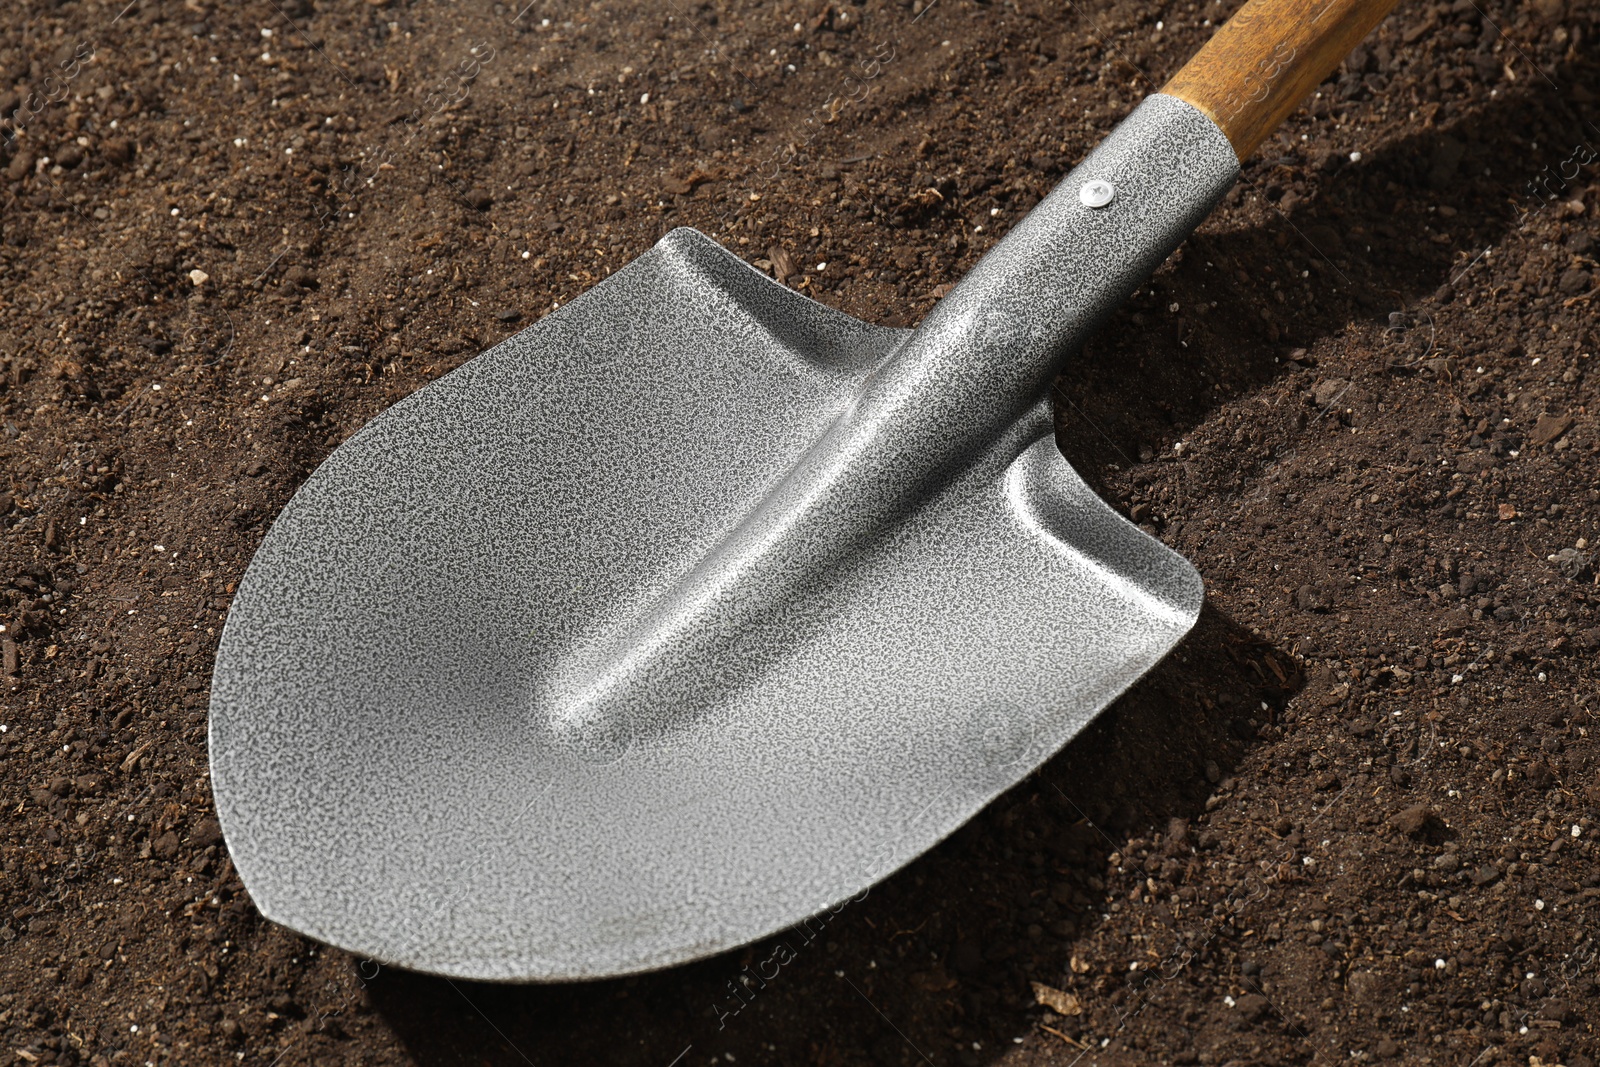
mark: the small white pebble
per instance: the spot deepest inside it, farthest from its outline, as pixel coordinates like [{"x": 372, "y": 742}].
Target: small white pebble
[
  {"x": 1439, "y": 965},
  {"x": 199, "y": 277},
  {"x": 1577, "y": 831},
  {"x": 1538, "y": 905},
  {"x": 821, "y": 267},
  {"x": 1355, "y": 157},
  {"x": 645, "y": 99}
]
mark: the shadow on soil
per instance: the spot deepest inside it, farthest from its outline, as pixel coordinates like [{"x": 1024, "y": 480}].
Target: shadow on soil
[{"x": 1378, "y": 240}]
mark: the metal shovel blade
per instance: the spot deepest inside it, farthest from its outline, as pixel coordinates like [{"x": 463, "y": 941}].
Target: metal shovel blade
[{"x": 691, "y": 610}]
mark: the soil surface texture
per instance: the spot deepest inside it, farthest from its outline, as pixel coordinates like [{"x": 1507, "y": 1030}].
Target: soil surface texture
[{"x": 1352, "y": 818}]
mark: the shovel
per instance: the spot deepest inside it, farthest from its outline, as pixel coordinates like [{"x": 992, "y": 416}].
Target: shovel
[{"x": 697, "y": 607}]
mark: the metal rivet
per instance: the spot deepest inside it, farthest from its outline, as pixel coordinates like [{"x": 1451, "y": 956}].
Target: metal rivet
[{"x": 1096, "y": 193}]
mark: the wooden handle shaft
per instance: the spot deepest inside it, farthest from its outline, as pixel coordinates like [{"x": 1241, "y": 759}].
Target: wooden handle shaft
[{"x": 1267, "y": 58}]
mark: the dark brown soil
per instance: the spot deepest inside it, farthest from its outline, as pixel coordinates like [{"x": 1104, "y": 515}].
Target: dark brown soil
[{"x": 1353, "y": 817}]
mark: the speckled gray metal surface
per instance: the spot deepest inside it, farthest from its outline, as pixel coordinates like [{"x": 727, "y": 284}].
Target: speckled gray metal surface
[{"x": 696, "y": 607}]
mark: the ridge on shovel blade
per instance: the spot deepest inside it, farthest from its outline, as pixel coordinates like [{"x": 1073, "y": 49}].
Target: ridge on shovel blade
[{"x": 696, "y": 607}]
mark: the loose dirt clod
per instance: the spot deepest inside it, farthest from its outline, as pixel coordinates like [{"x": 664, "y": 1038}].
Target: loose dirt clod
[{"x": 1419, "y": 820}]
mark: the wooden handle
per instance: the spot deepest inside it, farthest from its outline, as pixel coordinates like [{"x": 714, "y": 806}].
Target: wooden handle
[{"x": 1267, "y": 58}]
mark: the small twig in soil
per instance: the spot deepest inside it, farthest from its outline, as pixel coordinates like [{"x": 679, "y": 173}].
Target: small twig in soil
[{"x": 1074, "y": 1043}]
